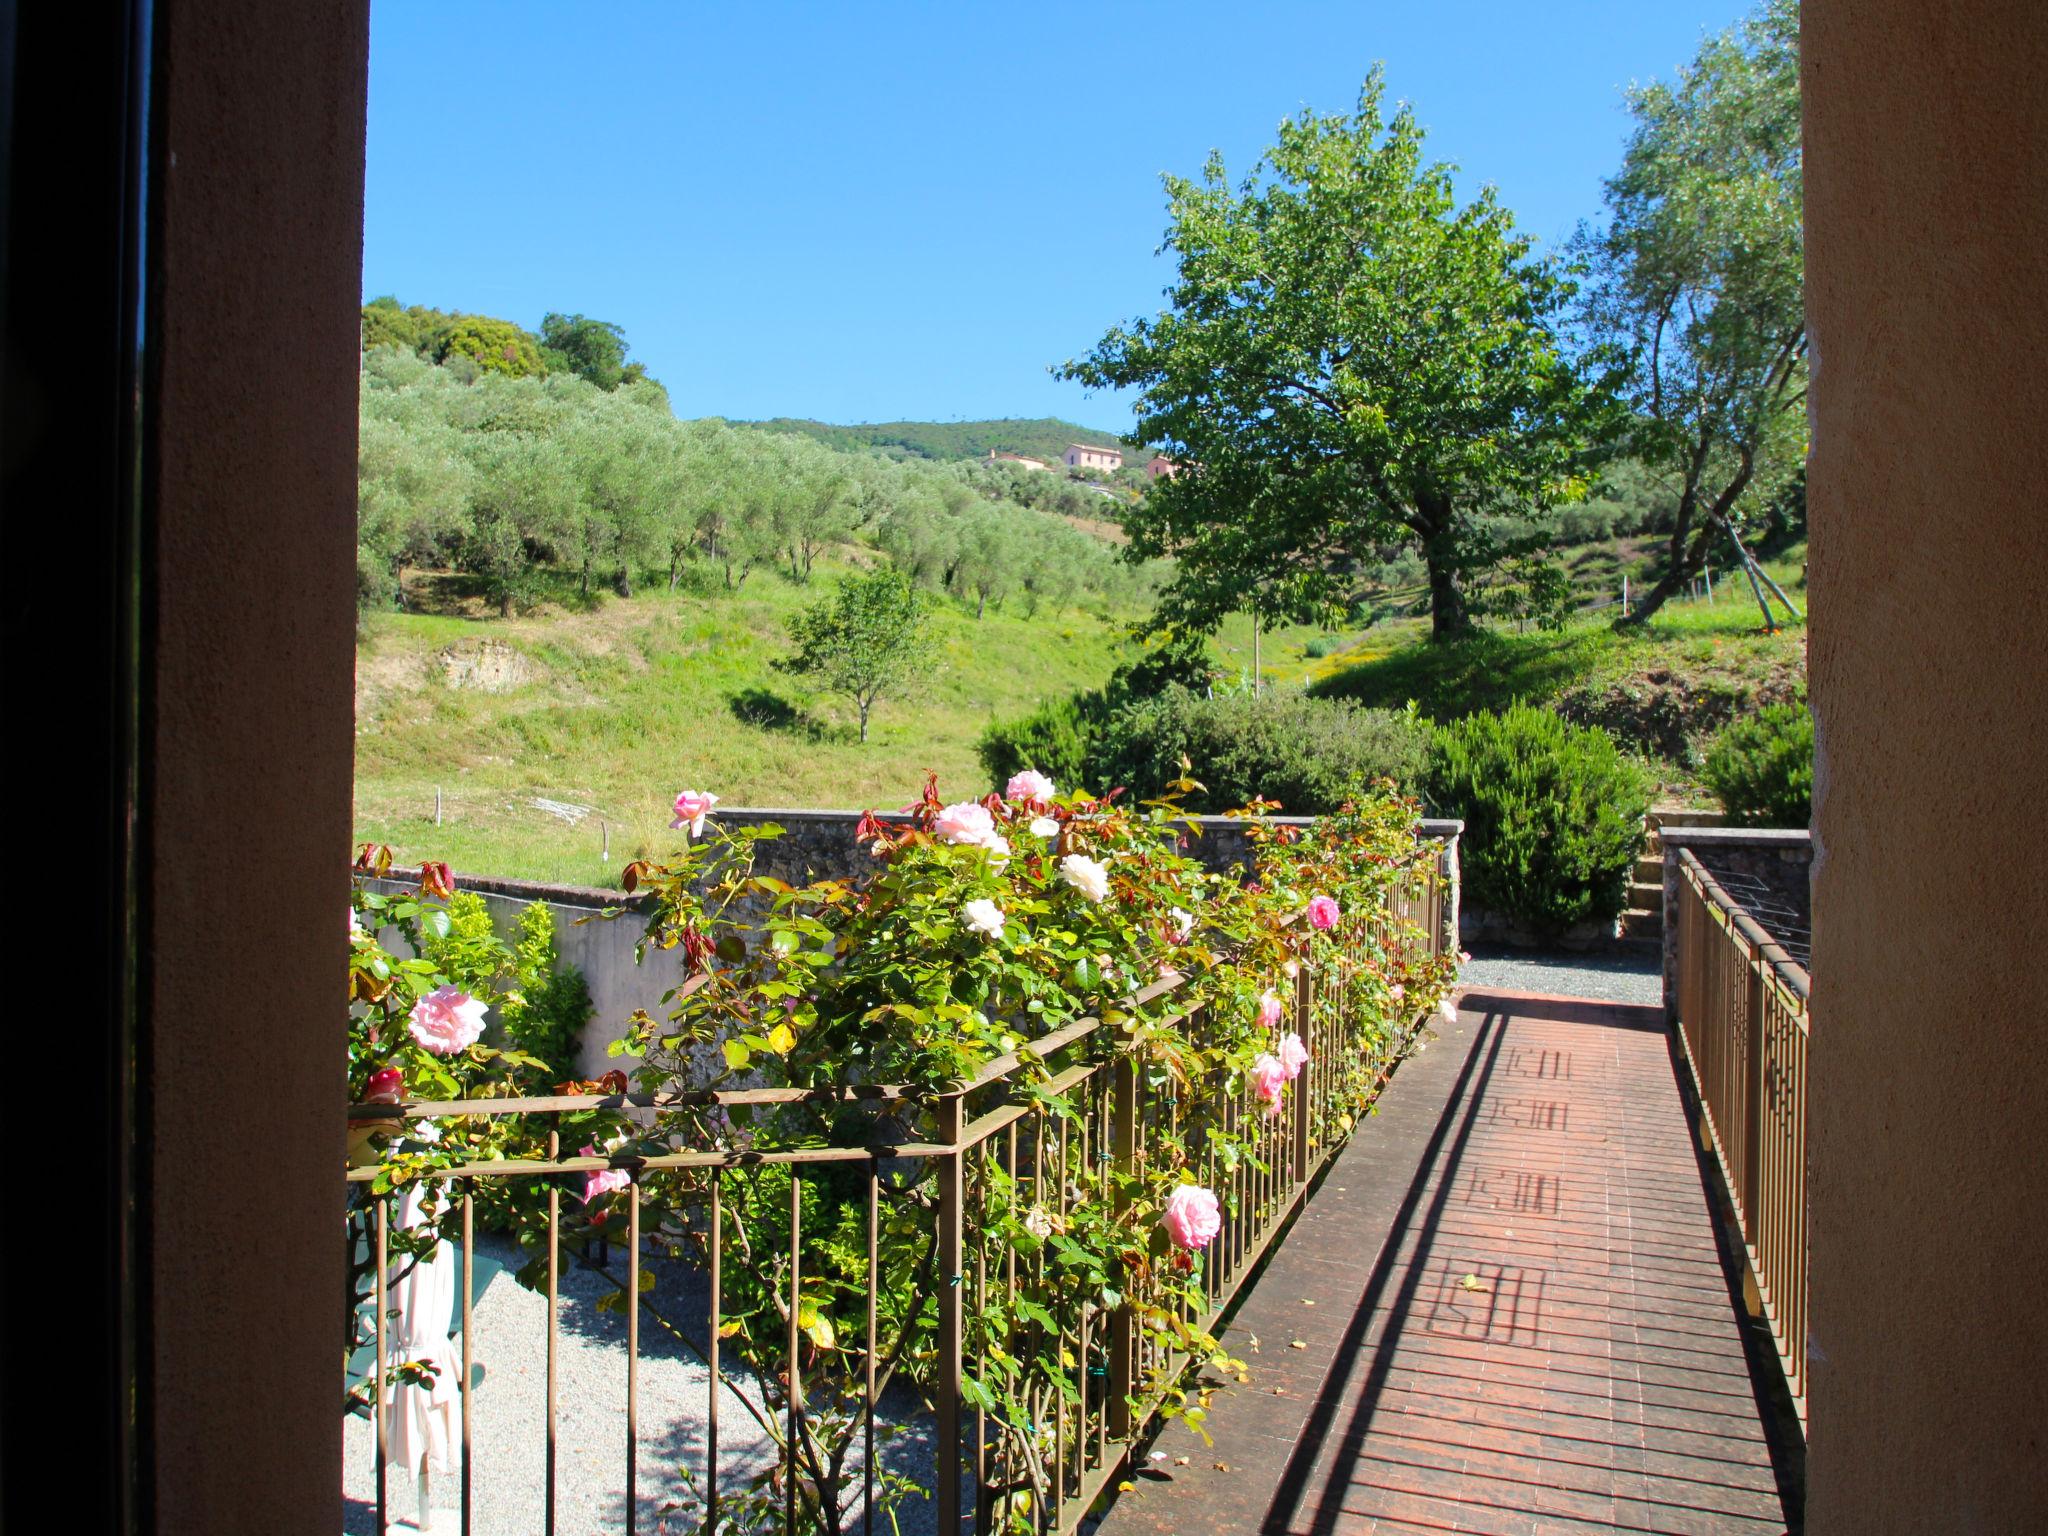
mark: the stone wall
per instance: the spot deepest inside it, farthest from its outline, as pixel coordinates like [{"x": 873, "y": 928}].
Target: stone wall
[
  {"x": 1764, "y": 869},
  {"x": 814, "y": 845}
]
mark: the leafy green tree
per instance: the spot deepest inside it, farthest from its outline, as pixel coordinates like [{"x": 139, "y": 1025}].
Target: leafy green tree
[
  {"x": 868, "y": 640},
  {"x": 591, "y": 349},
  {"x": 1350, "y": 358},
  {"x": 1699, "y": 283},
  {"x": 495, "y": 346}
]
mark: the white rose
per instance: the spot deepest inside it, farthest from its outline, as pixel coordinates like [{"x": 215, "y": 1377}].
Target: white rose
[
  {"x": 984, "y": 917},
  {"x": 1183, "y": 923},
  {"x": 1045, "y": 827},
  {"x": 1086, "y": 875},
  {"x": 1039, "y": 1223}
]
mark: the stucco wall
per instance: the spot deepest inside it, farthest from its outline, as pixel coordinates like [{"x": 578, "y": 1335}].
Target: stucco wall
[
  {"x": 247, "y": 749},
  {"x": 1927, "y": 224}
]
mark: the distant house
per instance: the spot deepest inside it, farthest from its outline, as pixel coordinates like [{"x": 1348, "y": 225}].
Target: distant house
[
  {"x": 1088, "y": 456},
  {"x": 1016, "y": 458},
  {"x": 1160, "y": 464}
]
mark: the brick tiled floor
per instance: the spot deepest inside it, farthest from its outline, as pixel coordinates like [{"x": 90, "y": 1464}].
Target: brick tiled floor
[{"x": 1512, "y": 1312}]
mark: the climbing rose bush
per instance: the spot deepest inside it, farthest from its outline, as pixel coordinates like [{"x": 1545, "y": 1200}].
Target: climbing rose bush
[{"x": 984, "y": 927}]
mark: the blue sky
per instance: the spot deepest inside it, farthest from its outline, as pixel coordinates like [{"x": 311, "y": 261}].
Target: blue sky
[{"x": 870, "y": 212}]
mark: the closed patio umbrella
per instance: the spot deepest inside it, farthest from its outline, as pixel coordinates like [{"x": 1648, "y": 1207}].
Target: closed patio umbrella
[{"x": 423, "y": 1416}]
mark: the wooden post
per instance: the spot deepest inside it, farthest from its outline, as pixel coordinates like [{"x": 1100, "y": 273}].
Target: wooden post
[
  {"x": 1624, "y": 594},
  {"x": 437, "y": 805},
  {"x": 952, "y": 1171}
]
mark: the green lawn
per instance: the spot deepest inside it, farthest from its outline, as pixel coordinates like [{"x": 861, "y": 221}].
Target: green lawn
[
  {"x": 619, "y": 703},
  {"x": 1663, "y": 689}
]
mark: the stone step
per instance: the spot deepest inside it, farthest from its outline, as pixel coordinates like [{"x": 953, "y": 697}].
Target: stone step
[
  {"x": 1643, "y": 923},
  {"x": 1648, "y": 894},
  {"x": 1650, "y": 871}
]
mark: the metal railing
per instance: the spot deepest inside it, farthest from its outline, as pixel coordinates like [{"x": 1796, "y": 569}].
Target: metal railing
[
  {"x": 1742, "y": 1012},
  {"x": 989, "y": 1146}
]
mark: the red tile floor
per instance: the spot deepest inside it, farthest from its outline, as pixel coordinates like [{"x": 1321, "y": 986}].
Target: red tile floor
[{"x": 1502, "y": 1312}]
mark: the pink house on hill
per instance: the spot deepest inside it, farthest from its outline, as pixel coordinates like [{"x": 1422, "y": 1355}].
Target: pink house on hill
[
  {"x": 1160, "y": 464},
  {"x": 1088, "y": 456}
]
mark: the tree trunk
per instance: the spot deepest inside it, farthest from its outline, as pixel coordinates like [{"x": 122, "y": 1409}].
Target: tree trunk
[
  {"x": 864, "y": 707},
  {"x": 981, "y": 604},
  {"x": 1435, "y": 522},
  {"x": 623, "y": 582},
  {"x": 1449, "y": 614}
]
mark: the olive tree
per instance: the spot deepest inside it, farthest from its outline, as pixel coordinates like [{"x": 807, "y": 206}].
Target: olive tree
[{"x": 1699, "y": 285}]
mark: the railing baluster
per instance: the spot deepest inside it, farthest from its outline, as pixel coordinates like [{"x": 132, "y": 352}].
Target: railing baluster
[
  {"x": 946, "y": 1385},
  {"x": 377, "y": 1381},
  {"x": 633, "y": 1355},
  {"x": 468, "y": 1342},
  {"x": 874, "y": 1293},
  {"x": 796, "y": 1384},
  {"x": 711, "y": 1351},
  {"x": 554, "y": 1285},
  {"x": 1121, "y": 1340}
]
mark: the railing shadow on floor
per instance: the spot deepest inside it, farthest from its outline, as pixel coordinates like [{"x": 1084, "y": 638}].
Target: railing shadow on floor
[{"x": 1463, "y": 1109}]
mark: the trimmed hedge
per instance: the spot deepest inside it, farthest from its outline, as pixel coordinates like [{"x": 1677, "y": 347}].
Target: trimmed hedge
[
  {"x": 1553, "y": 815},
  {"x": 1761, "y": 768}
]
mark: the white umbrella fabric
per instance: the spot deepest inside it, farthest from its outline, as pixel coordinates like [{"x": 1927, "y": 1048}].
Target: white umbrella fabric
[{"x": 423, "y": 1417}]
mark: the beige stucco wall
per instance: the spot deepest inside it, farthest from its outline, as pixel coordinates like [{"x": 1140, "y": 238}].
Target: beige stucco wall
[
  {"x": 247, "y": 746},
  {"x": 1927, "y": 224}
]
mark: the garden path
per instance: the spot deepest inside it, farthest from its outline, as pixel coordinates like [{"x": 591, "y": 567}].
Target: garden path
[{"x": 1504, "y": 1311}]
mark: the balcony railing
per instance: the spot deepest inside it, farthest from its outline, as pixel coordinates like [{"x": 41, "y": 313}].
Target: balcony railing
[
  {"x": 1742, "y": 1011},
  {"x": 985, "y": 1142}
]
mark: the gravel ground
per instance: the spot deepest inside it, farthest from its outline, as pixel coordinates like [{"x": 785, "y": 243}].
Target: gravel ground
[
  {"x": 510, "y": 1417},
  {"x": 1615, "y": 978}
]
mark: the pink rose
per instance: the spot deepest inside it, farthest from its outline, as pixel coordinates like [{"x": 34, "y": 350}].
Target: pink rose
[
  {"x": 967, "y": 822},
  {"x": 384, "y": 1086},
  {"x": 447, "y": 1021},
  {"x": 1397, "y": 991},
  {"x": 1269, "y": 1080},
  {"x": 602, "y": 1181},
  {"x": 1029, "y": 785},
  {"x": 1293, "y": 1054},
  {"x": 1270, "y": 1010},
  {"x": 1322, "y": 912},
  {"x": 1192, "y": 1217},
  {"x": 692, "y": 806}
]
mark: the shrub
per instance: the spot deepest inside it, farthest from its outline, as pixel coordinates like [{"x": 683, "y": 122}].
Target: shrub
[
  {"x": 1064, "y": 739},
  {"x": 1316, "y": 647},
  {"x": 1553, "y": 815},
  {"x": 1058, "y": 739},
  {"x": 1311, "y": 755},
  {"x": 1761, "y": 768}
]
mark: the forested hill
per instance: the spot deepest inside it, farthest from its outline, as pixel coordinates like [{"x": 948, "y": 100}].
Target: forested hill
[{"x": 1046, "y": 437}]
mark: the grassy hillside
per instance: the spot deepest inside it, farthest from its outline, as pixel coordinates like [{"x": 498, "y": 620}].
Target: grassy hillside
[
  {"x": 1663, "y": 690},
  {"x": 619, "y": 708},
  {"x": 1045, "y": 437},
  {"x": 616, "y": 706}
]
